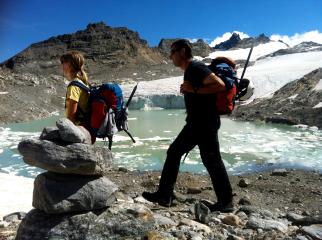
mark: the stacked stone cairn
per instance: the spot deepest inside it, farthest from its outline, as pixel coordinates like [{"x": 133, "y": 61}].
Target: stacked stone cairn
[
  {"x": 74, "y": 180},
  {"x": 74, "y": 199}
]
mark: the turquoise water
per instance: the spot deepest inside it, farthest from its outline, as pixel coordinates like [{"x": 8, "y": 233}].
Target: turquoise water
[{"x": 245, "y": 146}]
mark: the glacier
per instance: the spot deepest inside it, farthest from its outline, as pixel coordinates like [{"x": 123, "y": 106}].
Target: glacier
[{"x": 268, "y": 75}]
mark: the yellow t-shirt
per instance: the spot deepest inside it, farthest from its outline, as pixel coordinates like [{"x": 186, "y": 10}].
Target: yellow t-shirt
[{"x": 78, "y": 95}]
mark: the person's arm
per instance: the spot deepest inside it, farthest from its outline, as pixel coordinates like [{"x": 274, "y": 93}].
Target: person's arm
[
  {"x": 71, "y": 110},
  {"x": 211, "y": 84}
]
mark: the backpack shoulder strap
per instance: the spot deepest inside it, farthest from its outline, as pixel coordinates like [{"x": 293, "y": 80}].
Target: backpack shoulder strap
[{"x": 80, "y": 85}]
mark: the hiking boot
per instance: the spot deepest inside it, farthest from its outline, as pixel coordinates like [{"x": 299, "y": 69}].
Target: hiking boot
[
  {"x": 156, "y": 197},
  {"x": 220, "y": 206}
]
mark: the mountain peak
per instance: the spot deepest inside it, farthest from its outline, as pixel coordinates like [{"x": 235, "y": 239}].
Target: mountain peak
[
  {"x": 230, "y": 43},
  {"x": 106, "y": 49},
  {"x": 236, "y": 42},
  {"x": 99, "y": 26}
]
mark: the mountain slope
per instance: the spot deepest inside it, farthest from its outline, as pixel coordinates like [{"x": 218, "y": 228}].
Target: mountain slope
[
  {"x": 298, "y": 102},
  {"x": 108, "y": 52}
]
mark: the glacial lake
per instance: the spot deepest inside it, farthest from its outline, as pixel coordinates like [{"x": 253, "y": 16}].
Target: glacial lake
[{"x": 245, "y": 146}]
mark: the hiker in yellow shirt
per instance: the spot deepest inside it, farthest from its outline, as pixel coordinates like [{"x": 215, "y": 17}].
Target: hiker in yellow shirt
[{"x": 76, "y": 98}]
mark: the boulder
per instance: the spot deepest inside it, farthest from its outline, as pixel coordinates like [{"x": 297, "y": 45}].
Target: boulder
[
  {"x": 38, "y": 225},
  {"x": 62, "y": 193},
  {"x": 75, "y": 158},
  {"x": 69, "y": 132},
  {"x": 50, "y": 134}
]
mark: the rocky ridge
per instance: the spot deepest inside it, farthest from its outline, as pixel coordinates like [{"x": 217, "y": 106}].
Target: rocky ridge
[
  {"x": 299, "y": 48},
  {"x": 235, "y": 42},
  {"x": 106, "y": 49}
]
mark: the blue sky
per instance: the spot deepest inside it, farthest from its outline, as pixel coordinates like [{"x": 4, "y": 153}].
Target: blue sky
[{"x": 23, "y": 22}]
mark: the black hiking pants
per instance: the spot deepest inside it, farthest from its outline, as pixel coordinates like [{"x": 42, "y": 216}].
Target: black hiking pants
[{"x": 206, "y": 137}]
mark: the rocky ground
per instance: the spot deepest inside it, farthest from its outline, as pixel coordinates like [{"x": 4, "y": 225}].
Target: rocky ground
[{"x": 269, "y": 205}]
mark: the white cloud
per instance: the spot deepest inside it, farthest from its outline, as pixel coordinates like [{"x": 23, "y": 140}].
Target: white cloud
[
  {"x": 193, "y": 40},
  {"x": 226, "y": 36},
  {"x": 312, "y": 36}
]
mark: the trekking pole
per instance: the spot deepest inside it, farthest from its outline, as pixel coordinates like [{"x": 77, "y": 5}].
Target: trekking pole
[
  {"x": 126, "y": 106},
  {"x": 247, "y": 61},
  {"x": 131, "y": 96},
  {"x": 110, "y": 142},
  {"x": 128, "y": 133}
]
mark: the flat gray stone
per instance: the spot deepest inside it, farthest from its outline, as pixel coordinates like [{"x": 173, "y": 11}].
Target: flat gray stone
[
  {"x": 255, "y": 210},
  {"x": 75, "y": 158},
  {"x": 256, "y": 223},
  {"x": 62, "y": 193},
  {"x": 164, "y": 221},
  {"x": 69, "y": 132},
  {"x": 314, "y": 231}
]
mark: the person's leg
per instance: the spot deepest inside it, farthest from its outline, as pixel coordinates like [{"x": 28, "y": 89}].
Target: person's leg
[
  {"x": 181, "y": 145},
  {"x": 211, "y": 158},
  {"x": 184, "y": 142}
]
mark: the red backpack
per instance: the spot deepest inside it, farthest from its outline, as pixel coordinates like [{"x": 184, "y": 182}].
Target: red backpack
[{"x": 225, "y": 69}]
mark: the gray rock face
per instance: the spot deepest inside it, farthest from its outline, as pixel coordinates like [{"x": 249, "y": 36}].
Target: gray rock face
[
  {"x": 62, "y": 193},
  {"x": 38, "y": 225},
  {"x": 75, "y": 158},
  {"x": 69, "y": 132}
]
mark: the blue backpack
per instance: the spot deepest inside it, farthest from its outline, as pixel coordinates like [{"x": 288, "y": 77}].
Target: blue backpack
[{"x": 107, "y": 112}]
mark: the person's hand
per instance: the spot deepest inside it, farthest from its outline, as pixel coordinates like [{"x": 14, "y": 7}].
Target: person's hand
[{"x": 186, "y": 87}]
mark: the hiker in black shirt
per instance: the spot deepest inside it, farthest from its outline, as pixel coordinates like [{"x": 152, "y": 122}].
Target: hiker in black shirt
[{"x": 202, "y": 124}]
